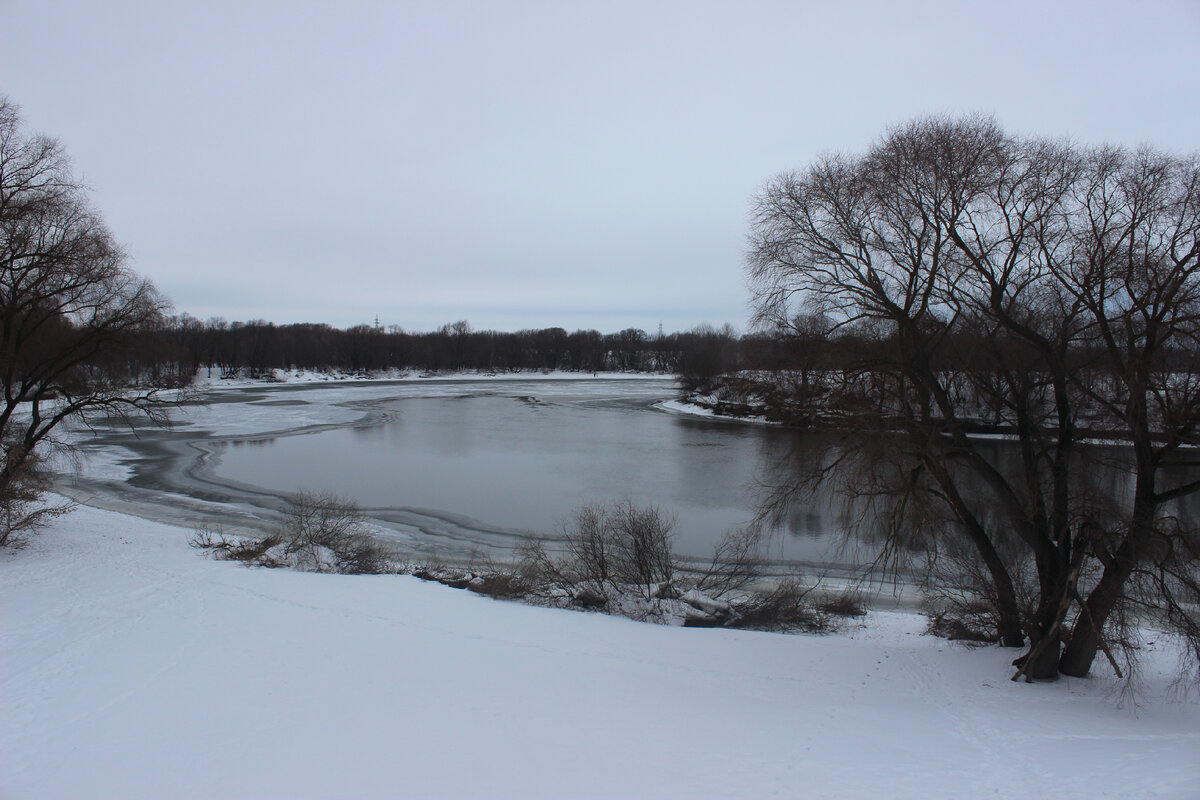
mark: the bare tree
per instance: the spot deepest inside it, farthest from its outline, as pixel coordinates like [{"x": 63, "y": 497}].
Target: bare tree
[
  {"x": 1136, "y": 274},
  {"x": 324, "y": 532},
  {"x": 68, "y": 304},
  {"x": 642, "y": 538},
  {"x": 1024, "y": 286},
  {"x": 622, "y": 545}
]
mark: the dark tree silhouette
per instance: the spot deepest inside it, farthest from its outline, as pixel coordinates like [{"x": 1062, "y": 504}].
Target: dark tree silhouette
[
  {"x": 69, "y": 307},
  {"x": 1034, "y": 287}
]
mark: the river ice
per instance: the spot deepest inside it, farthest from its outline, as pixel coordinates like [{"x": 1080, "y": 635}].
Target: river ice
[
  {"x": 446, "y": 467},
  {"x": 132, "y": 667}
]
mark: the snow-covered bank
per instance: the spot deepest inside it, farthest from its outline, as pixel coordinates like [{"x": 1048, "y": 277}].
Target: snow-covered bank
[
  {"x": 133, "y": 667},
  {"x": 697, "y": 410},
  {"x": 212, "y": 379}
]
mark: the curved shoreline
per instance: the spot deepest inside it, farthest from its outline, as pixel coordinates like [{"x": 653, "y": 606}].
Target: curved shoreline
[{"x": 174, "y": 477}]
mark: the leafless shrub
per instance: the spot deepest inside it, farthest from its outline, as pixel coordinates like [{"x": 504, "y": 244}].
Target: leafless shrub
[
  {"x": 621, "y": 545},
  {"x": 577, "y": 576},
  {"x": 590, "y": 545},
  {"x": 502, "y": 585},
  {"x": 537, "y": 566},
  {"x": 319, "y": 520},
  {"x": 642, "y": 538},
  {"x": 233, "y": 548},
  {"x": 319, "y": 532},
  {"x": 787, "y": 607},
  {"x": 453, "y": 578},
  {"x": 847, "y": 604},
  {"x": 205, "y": 538},
  {"x": 736, "y": 563},
  {"x": 1167, "y": 590},
  {"x": 327, "y": 533},
  {"x": 964, "y": 622},
  {"x": 362, "y": 555},
  {"x": 23, "y": 510},
  {"x": 610, "y": 553},
  {"x": 502, "y": 581},
  {"x": 961, "y": 601}
]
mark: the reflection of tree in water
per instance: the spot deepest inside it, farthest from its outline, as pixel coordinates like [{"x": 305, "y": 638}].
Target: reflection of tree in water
[
  {"x": 804, "y": 521},
  {"x": 867, "y": 489},
  {"x": 252, "y": 443},
  {"x": 789, "y": 499}
]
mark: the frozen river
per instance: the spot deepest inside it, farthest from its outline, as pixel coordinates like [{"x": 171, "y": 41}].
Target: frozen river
[{"x": 451, "y": 468}]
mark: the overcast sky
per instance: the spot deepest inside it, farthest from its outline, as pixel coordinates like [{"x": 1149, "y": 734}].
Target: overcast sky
[{"x": 532, "y": 164}]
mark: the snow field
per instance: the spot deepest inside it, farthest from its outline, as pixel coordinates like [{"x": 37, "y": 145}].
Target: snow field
[{"x": 131, "y": 666}]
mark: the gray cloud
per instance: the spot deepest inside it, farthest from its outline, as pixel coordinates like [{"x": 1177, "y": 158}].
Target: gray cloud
[{"x": 529, "y": 164}]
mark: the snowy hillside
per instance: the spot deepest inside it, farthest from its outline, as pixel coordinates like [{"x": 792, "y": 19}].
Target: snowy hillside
[{"x": 132, "y": 667}]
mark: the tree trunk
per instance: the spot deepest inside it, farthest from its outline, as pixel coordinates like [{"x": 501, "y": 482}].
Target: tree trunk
[
  {"x": 1007, "y": 611},
  {"x": 1043, "y": 658},
  {"x": 1041, "y": 662},
  {"x": 1009, "y": 627},
  {"x": 1085, "y": 638}
]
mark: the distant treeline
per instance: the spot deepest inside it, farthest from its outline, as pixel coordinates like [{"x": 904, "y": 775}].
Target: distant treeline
[
  {"x": 703, "y": 358},
  {"x": 185, "y": 344},
  {"x": 174, "y": 350}
]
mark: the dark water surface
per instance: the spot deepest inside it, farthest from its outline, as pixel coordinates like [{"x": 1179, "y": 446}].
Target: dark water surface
[
  {"x": 457, "y": 469},
  {"x": 498, "y": 460},
  {"x": 449, "y": 467}
]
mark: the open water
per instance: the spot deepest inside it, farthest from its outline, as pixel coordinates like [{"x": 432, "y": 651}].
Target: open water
[{"x": 460, "y": 468}]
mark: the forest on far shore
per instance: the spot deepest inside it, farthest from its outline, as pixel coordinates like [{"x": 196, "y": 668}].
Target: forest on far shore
[{"x": 174, "y": 350}]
